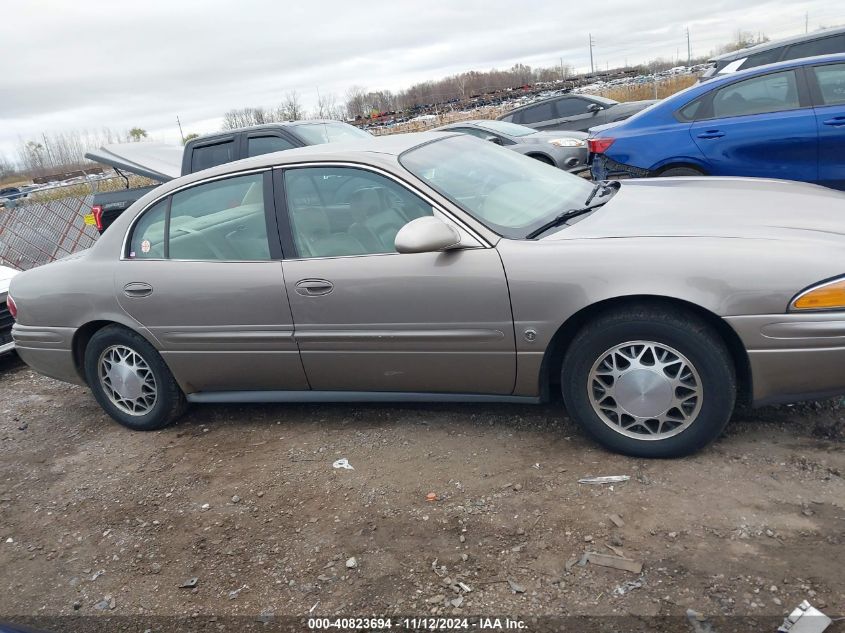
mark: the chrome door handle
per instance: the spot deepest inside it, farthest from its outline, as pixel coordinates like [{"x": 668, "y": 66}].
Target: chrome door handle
[
  {"x": 835, "y": 121},
  {"x": 313, "y": 287},
  {"x": 137, "y": 289}
]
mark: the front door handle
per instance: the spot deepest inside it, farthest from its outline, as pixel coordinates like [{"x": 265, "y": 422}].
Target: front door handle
[
  {"x": 313, "y": 287},
  {"x": 710, "y": 134},
  {"x": 137, "y": 289},
  {"x": 836, "y": 121}
]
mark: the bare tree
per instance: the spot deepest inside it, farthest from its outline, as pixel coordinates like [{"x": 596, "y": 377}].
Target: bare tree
[
  {"x": 244, "y": 117},
  {"x": 7, "y": 167},
  {"x": 357, "y": 103},
  {"x": 63, "y": 151},
  {"x": 327, "y": 107},
  {"x": 291, "y": 108}
]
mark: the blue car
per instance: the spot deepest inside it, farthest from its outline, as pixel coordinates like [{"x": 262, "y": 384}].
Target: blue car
[{"x": 784, "y": 120}]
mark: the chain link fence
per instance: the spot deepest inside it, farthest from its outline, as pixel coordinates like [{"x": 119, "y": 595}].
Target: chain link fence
[
  {"x": 40, "y": 230},
  {"x": 50, "y": 223}
]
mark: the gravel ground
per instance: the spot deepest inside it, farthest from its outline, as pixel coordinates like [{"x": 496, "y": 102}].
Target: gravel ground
[{"x": 237, "y": 511}]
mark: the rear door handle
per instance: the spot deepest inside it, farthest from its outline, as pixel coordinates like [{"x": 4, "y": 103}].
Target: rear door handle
[
  {"x": 137, "y": 289},
  {"x": 313, "y": 287},
  {"x": 836, "y": 121},
  {"x": 711, "y": 134}
]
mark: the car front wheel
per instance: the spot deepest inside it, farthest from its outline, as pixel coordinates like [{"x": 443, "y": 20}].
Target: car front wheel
[
  {"x": 130, "y": 380},
  {"x": 649, "y": 383}
]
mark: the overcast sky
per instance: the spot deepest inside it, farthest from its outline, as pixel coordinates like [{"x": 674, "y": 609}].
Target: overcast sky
[{"x": 85, "y": 64}]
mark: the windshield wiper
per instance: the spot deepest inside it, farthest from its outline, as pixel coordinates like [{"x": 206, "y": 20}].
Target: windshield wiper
[
  {"x": 605, "y": 186},
  {"x": 560, "y": 218}
]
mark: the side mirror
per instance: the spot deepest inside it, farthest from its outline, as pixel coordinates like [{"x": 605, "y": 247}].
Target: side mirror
[
  {"x": 594, "y": 107},
  {"x": 494, "y": 139},
  {"x": 426, "y": 235}
]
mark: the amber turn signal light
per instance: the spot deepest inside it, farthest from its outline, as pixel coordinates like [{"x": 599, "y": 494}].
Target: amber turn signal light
[{"x": 829, "y": 296}]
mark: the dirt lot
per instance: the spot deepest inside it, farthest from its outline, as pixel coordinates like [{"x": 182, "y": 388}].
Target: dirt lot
[{"x": 97, "y": 520}]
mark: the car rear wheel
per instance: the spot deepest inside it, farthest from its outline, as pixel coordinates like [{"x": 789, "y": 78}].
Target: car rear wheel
[
  {"x": 681, "y": 171},
  {"x": 130, "y": 380},
  {"x": 649, "y": 383}
]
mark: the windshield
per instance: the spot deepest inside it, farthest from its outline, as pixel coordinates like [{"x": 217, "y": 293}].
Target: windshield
[
  {"x": 328, "y": 132},
  {"x": 511, "y": 193},
  {"x": 503, "y": 127}
]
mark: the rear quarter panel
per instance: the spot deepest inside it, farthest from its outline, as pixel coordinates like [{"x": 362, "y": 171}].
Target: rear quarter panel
[{"x": 654, "y": 147}]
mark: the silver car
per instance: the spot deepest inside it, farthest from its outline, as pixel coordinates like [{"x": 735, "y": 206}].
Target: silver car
[
  {"x": 566, "y": 150},
  {"x": 442, "y": 268}
]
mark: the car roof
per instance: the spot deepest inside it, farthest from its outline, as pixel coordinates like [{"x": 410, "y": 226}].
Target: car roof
[
  {"x": 391, "y": 145},
  {"x": 768, "y": 68},
  {"x": 267, "y": 126},
  {"x": 568, "y": 95},
  {"x": 767, "y": 46}
]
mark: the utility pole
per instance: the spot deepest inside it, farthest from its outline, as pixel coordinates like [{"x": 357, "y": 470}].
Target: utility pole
[
  {"x": 689, "y": 50},
  {"x": 561, "y": 68},
  {"x": 807, "y": 22},
  {"x": 592, "y": 66},
  {"x": 182, "y": 134}
]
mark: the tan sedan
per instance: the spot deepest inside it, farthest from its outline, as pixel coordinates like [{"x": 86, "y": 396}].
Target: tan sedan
[{"x": 439, "y": 267}]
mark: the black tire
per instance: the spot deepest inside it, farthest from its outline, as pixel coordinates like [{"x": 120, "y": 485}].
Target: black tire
[
  {"x": 169, "y": 402},
  {"x": 681, "y": 171},
  {"x": 685, "y": 333}
]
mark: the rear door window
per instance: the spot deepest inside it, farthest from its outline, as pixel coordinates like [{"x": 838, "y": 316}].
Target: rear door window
[
  {"x": 258, "y": 145},
  {"x": 206, "y": 156},
  {"x": 220, "y": 220},
  {"x": 770, "y": 93},
  {"x": 535, "y": 114},
  {"x": 831, "y": 80}
]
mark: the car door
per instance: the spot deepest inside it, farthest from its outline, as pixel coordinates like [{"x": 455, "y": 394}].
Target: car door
[
  {"x": 827, "y": 83},
  {"x": 202, "y": 272},
  {"x": 370, "y": 319},
  {"x": 763, "y": 126}
]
